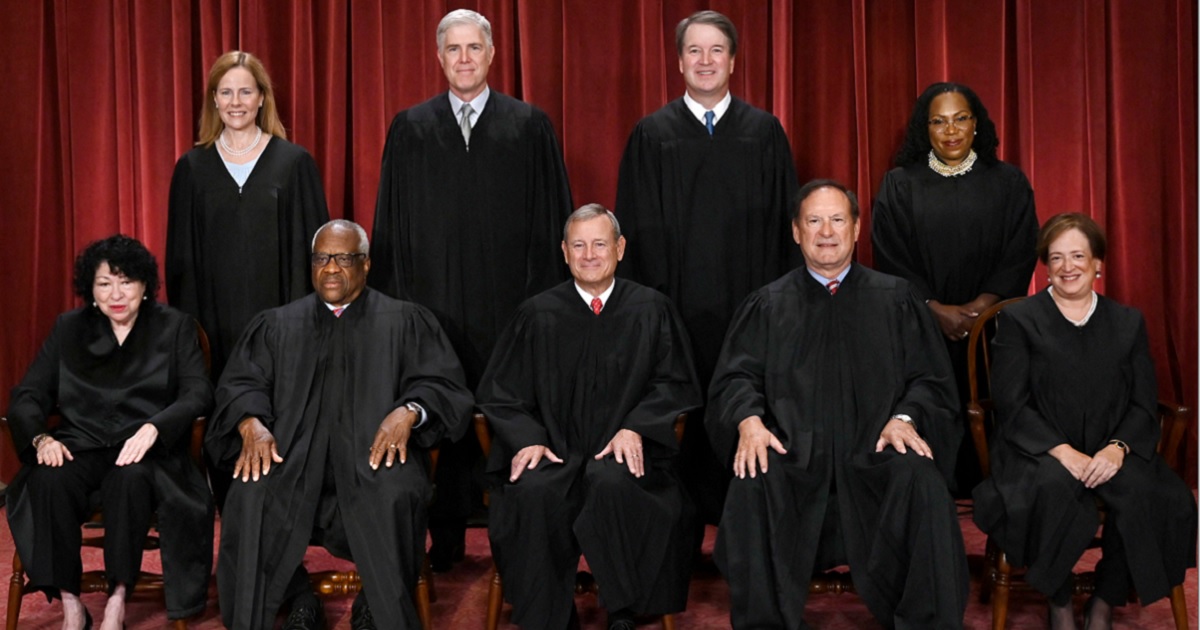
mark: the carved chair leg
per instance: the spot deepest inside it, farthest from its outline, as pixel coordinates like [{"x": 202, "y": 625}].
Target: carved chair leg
[
  {"x": 424, "y": 610},
  {"x": 668, "y": 622},
  {"x": 495, "y": 600},
  {"x": 1000, "y": 589},
  {"x": 1179, "y": 607},
  {"x": 16, "y": 590},
  {"x": 179, "y": 624}
]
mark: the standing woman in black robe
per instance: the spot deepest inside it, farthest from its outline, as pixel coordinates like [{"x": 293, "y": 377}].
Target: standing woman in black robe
[
  {"x": 957, "y": 223},
  {"x": 244, "y": 204},
  {"x": 1076, "y": 396},
  {"x": 127, "y": 377}
]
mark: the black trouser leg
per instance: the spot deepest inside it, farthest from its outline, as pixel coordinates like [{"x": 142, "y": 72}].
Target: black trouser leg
[{"x": 127, "y": 494}]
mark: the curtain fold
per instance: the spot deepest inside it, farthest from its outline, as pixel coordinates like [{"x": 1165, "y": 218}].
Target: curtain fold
[{"x": 1096, "y": 102}]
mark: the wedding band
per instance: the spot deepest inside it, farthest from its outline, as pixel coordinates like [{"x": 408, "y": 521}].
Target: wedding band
[{"x": 391, "y": 446}]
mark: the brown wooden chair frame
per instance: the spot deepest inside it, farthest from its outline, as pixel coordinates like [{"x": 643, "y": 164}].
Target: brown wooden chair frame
[
  {"x": 999, "y": 579},
  {"x": 584, "y": 582}
]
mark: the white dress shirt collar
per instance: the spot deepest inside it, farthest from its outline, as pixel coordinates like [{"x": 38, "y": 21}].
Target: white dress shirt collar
[
  {"x": 477, "y": 104},
  {"x": 698, "y": 110},
  {"x": 587, "y": 297}
]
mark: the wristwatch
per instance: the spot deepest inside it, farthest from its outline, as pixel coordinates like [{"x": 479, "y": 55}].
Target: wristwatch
[{"x": 1121, "y": 445}]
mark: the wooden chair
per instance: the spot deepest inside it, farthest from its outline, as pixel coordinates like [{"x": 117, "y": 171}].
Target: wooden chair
[
  {"x": 999, "y": 579},
  {"x": 584, "y": 582},
  {"x": 96, "y": 581},
  {"x": 342, "y": 583}
]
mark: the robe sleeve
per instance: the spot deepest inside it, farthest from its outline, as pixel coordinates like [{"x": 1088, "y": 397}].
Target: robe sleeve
[
  {"x": 181, "y": 264},
  {"x": 930, "y": 395},
  {"x": 784, "y": 186},
  {"x": 387, "y": 264},
  {"x": 306, "y": 211},
  {"x": 640, "y": 210},
  {"x": 432, "y": 376},
  {"x": 194, "y": 395},
  {"x": 34, "y": 399},
  {"x": 1021, "y": 422},
  {"x": 738, "y": 386},
  {"x": 1139, "y": 427},
  {"x": 245, "y": 390},
  {"x": 549, "y": 207},
  {"x": 508, "y": 394},
  {"x": 673, "y": 389},
  {"x": 892, "y": 237},
  {"x": 1013, "y": 270}
]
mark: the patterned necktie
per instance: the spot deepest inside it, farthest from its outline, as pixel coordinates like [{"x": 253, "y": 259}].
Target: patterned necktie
[
  {"x": 465, "y": 123},
  {"x": 708, "y": 121},
  {"x": 832, "y": 285},
  {"x": 337, "y": 312},
  {"x": 597, "y": 305}
]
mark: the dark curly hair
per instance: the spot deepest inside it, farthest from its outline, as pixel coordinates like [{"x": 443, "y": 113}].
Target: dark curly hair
[
  {"x": 915, "y": 148},
  {"x": 125, "y": 255}
]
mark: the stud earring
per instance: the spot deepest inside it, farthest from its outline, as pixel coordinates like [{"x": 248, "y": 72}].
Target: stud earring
[{"x": 1097, "y": 274}]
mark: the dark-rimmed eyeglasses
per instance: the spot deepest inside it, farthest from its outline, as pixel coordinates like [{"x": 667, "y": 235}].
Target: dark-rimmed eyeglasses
[{"x": 343, "y": 260}]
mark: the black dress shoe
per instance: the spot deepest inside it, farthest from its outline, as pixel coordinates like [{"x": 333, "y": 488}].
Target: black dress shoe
[
  {"x": 307, "y": 614},
  {"x": 621, "y": 620},
  {"x": 360, "y": 614}
]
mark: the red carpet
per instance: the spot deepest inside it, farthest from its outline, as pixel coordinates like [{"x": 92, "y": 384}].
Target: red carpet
[{"x": 462, "y": 595}]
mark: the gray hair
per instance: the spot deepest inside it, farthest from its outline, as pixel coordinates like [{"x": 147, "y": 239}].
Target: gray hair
[
  {"x": 364, "y": 246},
  {"x": 459, "y": 17},
  {"x": 590, "y": 211}
]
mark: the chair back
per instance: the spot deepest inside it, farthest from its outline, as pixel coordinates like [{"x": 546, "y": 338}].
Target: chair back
[{"x": 981, "y": 408}]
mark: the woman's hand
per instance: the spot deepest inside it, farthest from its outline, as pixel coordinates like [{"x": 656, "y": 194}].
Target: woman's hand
[
  {"x": 1103, "y": 466},
  {"x": 955, "y": 321},
  {"x": 136, "y": 446},
  {"x": 1075, "y": 462},
  {"x": 53, "y": 453}
]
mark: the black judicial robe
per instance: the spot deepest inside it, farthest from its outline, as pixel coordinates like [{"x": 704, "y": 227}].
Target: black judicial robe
[
  {"x": 231, "y": 253},
  {"x": 105, "y": 392},
  {"x": 383, "y": 352},
  {"x": 708, "y": 220},
  {"x": 470, "y": 234},
  {"x": 826, "y": 373},
  {"x": 1055, "y": 383},
  {"x": 568, "y": 379},
  {"x": 954, "y": 238}
]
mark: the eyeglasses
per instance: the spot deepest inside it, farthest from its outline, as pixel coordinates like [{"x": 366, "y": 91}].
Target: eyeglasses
[
  {"x": 943, "y": 125},
  {"x": 343, "y": 260}
]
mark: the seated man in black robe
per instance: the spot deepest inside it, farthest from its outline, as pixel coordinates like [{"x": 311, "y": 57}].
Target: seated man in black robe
[
  {"x": 832, "y": 396},
  {"x": 326, "y": 411},
  {"x": 583, "y": 391}
]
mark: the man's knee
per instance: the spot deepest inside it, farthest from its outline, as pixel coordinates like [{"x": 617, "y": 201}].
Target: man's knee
[
  {"x": 606, "y": 479},
  {"x": 136, "y": 476}
]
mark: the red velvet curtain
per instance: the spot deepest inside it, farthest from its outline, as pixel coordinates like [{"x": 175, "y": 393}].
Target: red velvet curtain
[{"x": 1095, "y": 101}]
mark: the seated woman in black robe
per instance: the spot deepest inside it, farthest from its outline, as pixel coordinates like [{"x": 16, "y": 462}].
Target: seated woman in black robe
[
  {"x": 1075, "y": 392},
  {"x": 127, "y": 377}
]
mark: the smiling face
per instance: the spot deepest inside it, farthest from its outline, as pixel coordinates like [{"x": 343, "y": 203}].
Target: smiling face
[
  {"x": 706, "y": 63},
  {"x": 335, "y": 284},
  {"x": 238, "y": 99},
  {"x": 826, "y": 231},
  {"x": 1071, "y": 264},
  {"x": 592, "y": 253},
  {"x": 951, "y": 127},
  {"x": 465, "y": 57},
  {"x": 118, "y": 297}
]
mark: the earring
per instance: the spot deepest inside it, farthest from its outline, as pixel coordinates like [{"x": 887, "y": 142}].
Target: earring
[
  {"x": 1097, "y": 274},
  {"x": 94, "y": 305},
  {"x": 145, "y": 297}
]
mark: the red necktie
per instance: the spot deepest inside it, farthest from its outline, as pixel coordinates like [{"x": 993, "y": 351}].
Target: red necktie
[
  {"x": 337, "y": 312},
  {"x": 597, "y": 305},
  {"x": 832, "y": 285}
]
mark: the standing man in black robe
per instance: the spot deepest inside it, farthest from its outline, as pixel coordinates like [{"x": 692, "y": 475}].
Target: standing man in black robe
[
  {"x": 834, "y": 402},
  {"x": 582, "y": 393},
  {"x": 319, "y": 393},
  {"x": 466, "y": 224},
  {"x": 703, "y": 194}
]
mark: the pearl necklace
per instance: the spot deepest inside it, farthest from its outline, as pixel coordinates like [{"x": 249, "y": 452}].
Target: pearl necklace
[
  {"x": 229, "y": 150},
  {"x": 945, "y": 170}
]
